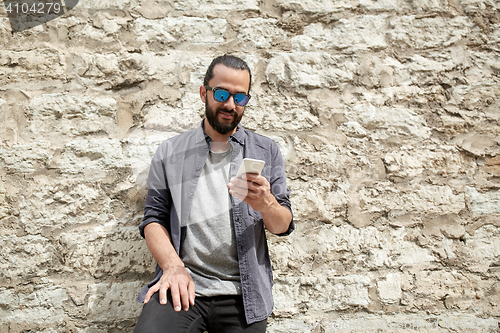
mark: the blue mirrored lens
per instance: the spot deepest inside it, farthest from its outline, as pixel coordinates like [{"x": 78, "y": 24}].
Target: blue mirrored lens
[
  {"x": 240, "y": 99},
  {"x": 221, "y": 95}
]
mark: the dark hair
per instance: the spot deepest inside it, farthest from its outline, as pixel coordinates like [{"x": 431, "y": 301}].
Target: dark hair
[{"x": 228, "y": 61}]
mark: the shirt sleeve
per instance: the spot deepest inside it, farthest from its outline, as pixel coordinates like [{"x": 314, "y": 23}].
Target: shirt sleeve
[
  {"x": 158, "y": 200},
  {"x": 278, "y": 185}
]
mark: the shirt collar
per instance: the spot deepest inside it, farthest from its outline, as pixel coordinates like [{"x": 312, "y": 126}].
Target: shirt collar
[
  {"x": 200, "y": 134},
  {"x": 239, "y": 135}
]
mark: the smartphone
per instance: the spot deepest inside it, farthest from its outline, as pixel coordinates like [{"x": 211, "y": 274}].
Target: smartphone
[{"x": 250, "y": 165}]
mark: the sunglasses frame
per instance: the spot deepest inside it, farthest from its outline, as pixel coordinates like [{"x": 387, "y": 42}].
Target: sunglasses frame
[{"x": 230, "y": 94}]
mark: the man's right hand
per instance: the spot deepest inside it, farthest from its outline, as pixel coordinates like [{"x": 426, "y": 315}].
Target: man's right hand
[
  {"x": 181, "y": 285},
  {"x": 175, "y": 276}
]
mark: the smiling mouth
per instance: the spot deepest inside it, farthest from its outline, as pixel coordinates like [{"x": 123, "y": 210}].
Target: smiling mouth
[{"x": 227, "y": 114}]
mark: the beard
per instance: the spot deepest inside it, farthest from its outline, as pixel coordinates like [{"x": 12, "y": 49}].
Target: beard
[{"x": 219, "y": 127}]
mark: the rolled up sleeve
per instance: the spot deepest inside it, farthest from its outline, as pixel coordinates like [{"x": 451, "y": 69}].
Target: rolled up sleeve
[
  {"x": 158, "y": 200},
  {"x": 278, "y": 185}
]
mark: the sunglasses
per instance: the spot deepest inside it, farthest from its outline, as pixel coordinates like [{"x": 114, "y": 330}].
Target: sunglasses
[{"x": 222, "y": 95}]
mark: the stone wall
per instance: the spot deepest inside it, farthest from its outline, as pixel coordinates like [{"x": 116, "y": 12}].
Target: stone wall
[{"x": 387, "y": 112}]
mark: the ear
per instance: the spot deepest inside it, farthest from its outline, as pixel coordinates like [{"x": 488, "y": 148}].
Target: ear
[{"x": 203, "y": 94}]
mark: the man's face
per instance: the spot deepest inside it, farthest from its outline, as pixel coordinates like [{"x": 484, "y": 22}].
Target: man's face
[{"x": 223, "y": 117}]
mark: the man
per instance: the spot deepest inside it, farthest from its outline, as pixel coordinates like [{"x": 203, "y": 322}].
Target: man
[{"x": 204, "y": 226}]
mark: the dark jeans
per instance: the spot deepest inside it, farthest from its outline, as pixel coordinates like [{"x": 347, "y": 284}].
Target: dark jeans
[{"x": 219, "y": 314}]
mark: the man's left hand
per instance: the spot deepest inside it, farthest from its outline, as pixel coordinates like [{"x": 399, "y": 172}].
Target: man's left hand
[{"x": 254, "y": 190}]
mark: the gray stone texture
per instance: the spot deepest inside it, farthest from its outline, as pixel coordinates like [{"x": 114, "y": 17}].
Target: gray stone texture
[{"x": 387, "y": 114}]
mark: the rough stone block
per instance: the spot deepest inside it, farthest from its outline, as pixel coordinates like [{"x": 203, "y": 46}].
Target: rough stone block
[
  {"x": 484, "y": 245},
  {"x": 107, "y": 4},
  {"x": 26, "y": 158},
  {"x": 106, "y": 250},
  {"x": 484, "y": 203},
  {"x": 335, "y": 293},
  {"x": 109, "y": 301},
  {"x": 425, "y": 33},
  {"x": 315, "y": 6},
  {"x": 69, "y": 114},
  {"x": 323, "y": 200},
  {"x": 478, "y": 144},
  {"x": 389, "y": 290},
  {"x": 215, "y": 7},
  {"x": 138, "y": 150},
  {"x": 476, "y": 96},
  {"x": 27, "y": 257},
  {"x": 436, "y": 285},
  {"x": 162, "y": 117},
  {"x": 262, "y": 33},
  {"x": 360, "y": 33},
  {"x": 40, "y": 307},
  {"x": 344, "y": 247},
  {"x": 92, "y": 156},
  {"x": 433, "y": 161},
  {"x": 128, "y": 71},
  {"x": 192, "y": 30},
  {"x": 280, "y": 113},
  {"x": 48, "y": 206},
  {"x": 425, "y": 198},
  {"x": 31, "y": 65},
  {"x": 424, "y": 6},
  {"x": 4, "y": 205},
  {"x": 478, "y": 5},
  {"x": 384, "y": 122},
  {"x": 309, "y": 70}
]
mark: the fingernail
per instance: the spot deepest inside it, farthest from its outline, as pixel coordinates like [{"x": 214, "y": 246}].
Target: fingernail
[
  {"x": 177, "y": 308},
  {"x": 163, "y": 301},
  {"x": 145, "y": 301}
]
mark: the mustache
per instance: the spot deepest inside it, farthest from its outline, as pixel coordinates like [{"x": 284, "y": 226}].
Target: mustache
[{"x": 232, "y": 112}]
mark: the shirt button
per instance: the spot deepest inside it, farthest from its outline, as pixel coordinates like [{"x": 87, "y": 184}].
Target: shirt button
[
  {"x": 198, "y": 168},
  {"x": 190, "y": 195}
]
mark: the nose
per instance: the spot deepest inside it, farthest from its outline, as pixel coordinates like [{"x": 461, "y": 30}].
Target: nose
[{"x": 230, "y": 104}]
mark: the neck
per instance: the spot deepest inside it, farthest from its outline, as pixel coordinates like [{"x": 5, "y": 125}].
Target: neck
[{"x": 220, "y": 147}]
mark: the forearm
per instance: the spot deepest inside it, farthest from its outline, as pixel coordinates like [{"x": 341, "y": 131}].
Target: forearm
[
  {"x": 276, "y": 218},
  {"x": 160, "y": 246}
]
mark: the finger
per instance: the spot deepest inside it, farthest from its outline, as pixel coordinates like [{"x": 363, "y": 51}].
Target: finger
[
  {"x": 191, "y": 290},
  {"x": 176, "y": 302},
  {"x": 256, "y": 178},
  {"x": 163, "y": 293},
  {"x": 252, "y": 177},
  {"x": 238, "y": 182},
  {"x": 150, "y": 293},
  {"x": 184, "y": 295},
  {"x": 252, "y": 190},
  {"x": 254, "y": 187},
  {"x": 238, "y": 195},
  {"x": 237, "y": 189}
]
